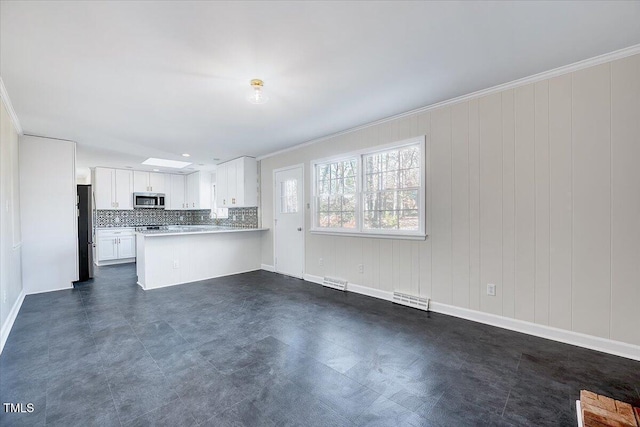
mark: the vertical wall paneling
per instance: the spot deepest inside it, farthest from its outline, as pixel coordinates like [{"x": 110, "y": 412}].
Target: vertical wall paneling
[
  {"x": 441, "y": 204},
  {"x": 414, "y": 288},
  {"x": 405, "y": 264},
  {"x": 474, "y": 206},
  {"x": 625, "y": 199},
  {"x": 490, "y": 112},
  {"x": 592, "y": 200},
  {"x": 560, "y": 202},
  {"x": 329, "y": 255},
  {"x": 541, "y": 172},
  {"x": 386, "y": 264},
  {"x": 368, "y": 275},
  {"x": 313, "y": 253},
  {"x": 535, "y": 189},
  {"x": 340, "y": 248},
  {"x": 508, "y": 203},
  {"x": 460, "y": 203},
  {"x": 424, "y": 275},
  {"x": 525, "y": 203}
]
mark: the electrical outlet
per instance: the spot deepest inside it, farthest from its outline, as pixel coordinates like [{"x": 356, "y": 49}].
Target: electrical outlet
[
  {"x": 491, "y": 289},
  {"x": 360, "y": 268},
  {"x": 176, "y": 263},
  {"x": 320, "y": 261}
]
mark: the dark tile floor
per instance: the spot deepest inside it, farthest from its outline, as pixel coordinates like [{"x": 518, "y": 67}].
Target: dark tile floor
[{"x": 259, "y": 349}]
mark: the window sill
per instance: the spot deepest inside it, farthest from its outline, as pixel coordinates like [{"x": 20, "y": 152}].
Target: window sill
[{"x": 370, "y": 235}]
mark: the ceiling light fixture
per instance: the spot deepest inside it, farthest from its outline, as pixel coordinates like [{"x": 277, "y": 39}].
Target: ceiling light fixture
[
  {"x": 186, "y": 155},
  {"x": 257, "y": 95}
]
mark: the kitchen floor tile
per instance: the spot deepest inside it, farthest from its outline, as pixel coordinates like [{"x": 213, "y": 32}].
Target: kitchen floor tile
[{"x": 261, "y": 349}]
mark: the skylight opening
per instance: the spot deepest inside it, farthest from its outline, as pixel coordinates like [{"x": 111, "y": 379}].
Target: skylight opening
[{"x": 165, "y": 163}]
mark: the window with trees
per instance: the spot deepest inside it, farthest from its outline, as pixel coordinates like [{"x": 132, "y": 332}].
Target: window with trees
[{"x": 380, "y": 191}]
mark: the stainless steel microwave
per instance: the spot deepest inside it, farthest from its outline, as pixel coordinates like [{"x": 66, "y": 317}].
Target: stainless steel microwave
[{"x": 148, "y": 200}]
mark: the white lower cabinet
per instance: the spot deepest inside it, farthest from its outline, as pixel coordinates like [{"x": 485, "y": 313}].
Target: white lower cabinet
[{"x": 115, "y": 246}]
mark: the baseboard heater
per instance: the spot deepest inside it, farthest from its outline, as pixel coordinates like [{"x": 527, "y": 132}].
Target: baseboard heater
[
  {"x": 411, "y": 301},
  {"x": 338, "y": 284}
]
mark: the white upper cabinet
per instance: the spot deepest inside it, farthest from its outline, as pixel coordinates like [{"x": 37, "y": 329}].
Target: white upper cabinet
[
  {"x": 113, "y": 188},
  {"x": 124, "y": 189},
  {"x": 103, "y": 188},
  {"x": 148, "y": 182},
  {"x": 221, "y": 185},
  {"x": 157, "y": 182},
  {"x": 198, "y": 190},
  {"x": 237, "y": 183},
  {"x": 176, "y": 193}
]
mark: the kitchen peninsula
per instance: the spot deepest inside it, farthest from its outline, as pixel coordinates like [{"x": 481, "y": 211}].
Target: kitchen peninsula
[{"x": 175, "y": 255}]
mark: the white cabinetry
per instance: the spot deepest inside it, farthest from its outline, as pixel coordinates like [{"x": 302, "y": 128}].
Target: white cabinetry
[
  {"x": 198, "y": 190},
  {"x": 115, "y": 246},
  {"x": 237, "y": 183},
  {"x": 113, "y": 188},
  {"x": 148, "y": 182},
  {"x": 176, "y": 193}
]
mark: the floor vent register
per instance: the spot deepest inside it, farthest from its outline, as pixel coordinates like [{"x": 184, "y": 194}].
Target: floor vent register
[
  {"x": 333, "y": 283},
  {"x": 411, "y": 301}
]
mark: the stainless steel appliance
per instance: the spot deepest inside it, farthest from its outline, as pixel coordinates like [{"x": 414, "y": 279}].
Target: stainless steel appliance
[
  {"x": 85, "y": 233},
  {"x": 148, "y": 200}
]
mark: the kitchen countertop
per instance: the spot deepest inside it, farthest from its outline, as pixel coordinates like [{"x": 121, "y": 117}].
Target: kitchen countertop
[{"x": 180, "y": 230}]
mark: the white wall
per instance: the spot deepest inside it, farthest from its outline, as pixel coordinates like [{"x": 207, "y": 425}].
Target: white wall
[
  {"x": 534, "y": 188},
  {"x": 11, "y": 292},
  {"x": 49, "y": 220}
]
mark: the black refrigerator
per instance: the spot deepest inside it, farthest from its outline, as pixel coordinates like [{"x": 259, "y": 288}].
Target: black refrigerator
[{"x": 85, "y": 233}]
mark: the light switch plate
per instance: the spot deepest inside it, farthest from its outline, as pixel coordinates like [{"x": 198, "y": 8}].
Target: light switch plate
[{"x": 491, "y": 289}]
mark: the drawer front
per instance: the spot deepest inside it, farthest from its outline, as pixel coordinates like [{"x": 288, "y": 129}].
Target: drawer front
[{"x": 116, "y": 233}]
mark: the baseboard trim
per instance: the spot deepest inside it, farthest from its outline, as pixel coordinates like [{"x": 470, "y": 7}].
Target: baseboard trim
[
  {"x": 50, "y": 290},
  {"x": 269, "y": 268},
  {"x": 11, "y": 318},
  {"x": 115, "y": 262},
  {"x": 351, "y": 287},
  {"x": 195, "y": 281},
  {"x": 604, "y": 345}
]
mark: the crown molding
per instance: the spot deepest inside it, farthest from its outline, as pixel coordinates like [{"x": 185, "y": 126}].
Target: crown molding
[
  {"x": 7, "y": 103},
  {"x": 565, "y": 69}
]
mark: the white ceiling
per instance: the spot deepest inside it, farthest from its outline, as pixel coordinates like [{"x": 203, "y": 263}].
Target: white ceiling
[{"x": 130, "y": 80}]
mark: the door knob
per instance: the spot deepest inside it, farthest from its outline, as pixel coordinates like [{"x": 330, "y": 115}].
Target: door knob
[{"x": 299, "y": 228}]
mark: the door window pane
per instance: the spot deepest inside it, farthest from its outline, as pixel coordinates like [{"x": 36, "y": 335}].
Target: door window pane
[{"x": 289, "y": 196}]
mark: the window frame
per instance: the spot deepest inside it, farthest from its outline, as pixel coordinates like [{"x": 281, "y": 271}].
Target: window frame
[{"x": 360, "y": 231}]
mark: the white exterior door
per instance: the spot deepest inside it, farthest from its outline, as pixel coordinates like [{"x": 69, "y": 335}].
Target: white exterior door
[{"x": 289, "y": 222}]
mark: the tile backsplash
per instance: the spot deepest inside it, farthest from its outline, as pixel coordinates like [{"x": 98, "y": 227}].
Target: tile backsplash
[{"x": 244, "y": 218}]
